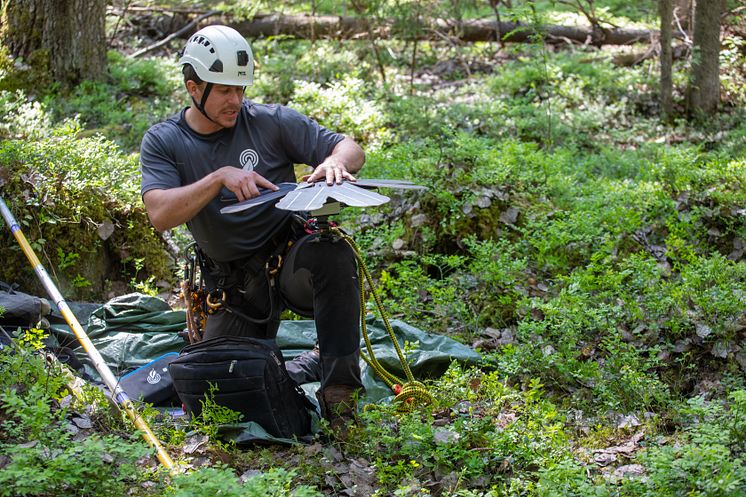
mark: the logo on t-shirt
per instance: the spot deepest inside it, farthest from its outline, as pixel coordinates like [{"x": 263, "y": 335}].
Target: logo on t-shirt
[{"x": 249, "y": 159}]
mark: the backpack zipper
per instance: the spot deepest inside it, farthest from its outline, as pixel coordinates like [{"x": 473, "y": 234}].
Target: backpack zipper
[{"x": 274, "y": 356}]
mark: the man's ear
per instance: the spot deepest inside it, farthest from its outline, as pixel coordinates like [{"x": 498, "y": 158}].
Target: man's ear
[{"x": 192, "y": 87}]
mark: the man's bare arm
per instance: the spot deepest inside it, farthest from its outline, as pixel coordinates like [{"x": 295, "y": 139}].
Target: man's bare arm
[
  {"x": 346, "y": 158},
  {"x": 174, "y": 206}
]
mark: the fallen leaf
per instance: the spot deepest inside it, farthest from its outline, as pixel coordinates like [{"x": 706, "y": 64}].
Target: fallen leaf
[
  {"x": 702, "y": 330},
  {"x": 105, "y": 229},
  {"x": 194, "y": 443},
  {"x": 721, "y": 349}
]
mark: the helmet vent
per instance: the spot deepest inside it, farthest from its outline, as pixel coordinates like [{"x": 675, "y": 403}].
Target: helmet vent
[{"x": 217, "y": 66}]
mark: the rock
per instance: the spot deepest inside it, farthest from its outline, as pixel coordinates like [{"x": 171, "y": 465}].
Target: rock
[
  {"x": 604, "y": 458},
  {"x": 741, "y": 360},
  {"x": 83, "y": 422},
  {"x": 483, "y": 202},
  {"x": 418, "y": 220},
  {"x": 629, "y": 469},
  {"x": 445, "y": 436},
  {"x": 509, "y": 216},
  {"x": 627, "y": 421},
  {"x": 248, "y": 475}
]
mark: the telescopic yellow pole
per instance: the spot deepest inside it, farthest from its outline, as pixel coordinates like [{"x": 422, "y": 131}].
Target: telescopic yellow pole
[{"x": 119, "y": 396}]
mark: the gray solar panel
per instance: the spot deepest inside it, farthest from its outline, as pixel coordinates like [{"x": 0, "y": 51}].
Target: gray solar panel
[
  {"x": 313, "y": 196},
  {"x": 304, "y": 199}
]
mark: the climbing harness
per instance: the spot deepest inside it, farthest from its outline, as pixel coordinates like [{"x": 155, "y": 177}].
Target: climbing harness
[{"x": 200, "y": 302}]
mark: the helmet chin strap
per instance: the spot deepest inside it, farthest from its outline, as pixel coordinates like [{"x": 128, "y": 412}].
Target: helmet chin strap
[{"x": 201, "y": 105}]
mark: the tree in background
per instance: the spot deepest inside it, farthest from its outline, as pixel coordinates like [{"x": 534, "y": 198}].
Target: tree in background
[
  {"x": 66, "y": 37},
  {"x": 665, "y": 9},
  {"x": 703, "y": 92}
]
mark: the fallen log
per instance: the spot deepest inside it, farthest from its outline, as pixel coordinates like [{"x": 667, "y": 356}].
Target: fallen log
[{"x": 346, "y": 27}]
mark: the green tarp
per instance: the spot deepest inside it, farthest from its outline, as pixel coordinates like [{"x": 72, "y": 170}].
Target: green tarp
[{"x": 134, "y": 329}]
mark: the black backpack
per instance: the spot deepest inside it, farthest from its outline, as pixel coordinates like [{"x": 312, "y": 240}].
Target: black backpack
[{"x": 249, "y": 377}]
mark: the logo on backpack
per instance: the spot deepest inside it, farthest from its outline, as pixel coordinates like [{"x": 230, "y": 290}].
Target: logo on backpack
[
  {"x": 249, "y": 159},
  {"x": 153, "y": 377}
]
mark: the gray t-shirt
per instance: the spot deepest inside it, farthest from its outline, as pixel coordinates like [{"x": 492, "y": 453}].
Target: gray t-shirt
[{"x": 268, "y": 139}]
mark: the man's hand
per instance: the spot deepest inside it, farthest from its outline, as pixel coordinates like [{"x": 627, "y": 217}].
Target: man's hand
[
  {"x": 332, "y": 170},
  {"x": 245, "y": 184}
]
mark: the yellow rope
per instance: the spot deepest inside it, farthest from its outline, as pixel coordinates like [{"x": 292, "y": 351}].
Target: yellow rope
[{"x": 411, "y": 392}]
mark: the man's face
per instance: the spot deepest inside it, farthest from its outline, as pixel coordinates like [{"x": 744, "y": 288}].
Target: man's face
[{"x": 223, "y": 102}]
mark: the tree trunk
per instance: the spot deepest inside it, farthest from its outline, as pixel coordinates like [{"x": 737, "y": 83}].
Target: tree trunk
[
  {"x": 703, "y": 94},
  {"x": 665, "y": 8},
  {"x": 69, "y": 34}
]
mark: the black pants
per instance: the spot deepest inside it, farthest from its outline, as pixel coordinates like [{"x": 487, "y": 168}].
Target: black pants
[{"x": 318, "y": 279}]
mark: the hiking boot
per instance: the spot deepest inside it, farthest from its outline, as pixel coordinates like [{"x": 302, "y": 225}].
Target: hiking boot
[{"x": 338, "y": 406}]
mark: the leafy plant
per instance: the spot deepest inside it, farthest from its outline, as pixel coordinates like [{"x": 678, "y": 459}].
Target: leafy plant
[{"x": 221, "y": 480}]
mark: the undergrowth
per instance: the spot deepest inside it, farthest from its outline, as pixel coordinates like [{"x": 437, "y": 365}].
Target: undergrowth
[{"x": 592, "y": 253}]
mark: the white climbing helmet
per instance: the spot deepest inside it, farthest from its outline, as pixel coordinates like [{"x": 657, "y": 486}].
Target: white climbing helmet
[{"x": 220, "y": 55}]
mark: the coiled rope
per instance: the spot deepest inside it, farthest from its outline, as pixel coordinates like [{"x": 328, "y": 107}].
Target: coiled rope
[{"x": 409, "y": 393}]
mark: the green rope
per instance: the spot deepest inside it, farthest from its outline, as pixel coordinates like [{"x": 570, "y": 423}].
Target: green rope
[{"x": 408, "y": 393}]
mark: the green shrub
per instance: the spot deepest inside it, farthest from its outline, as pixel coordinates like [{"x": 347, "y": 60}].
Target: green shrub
[
  {"x": 480, "y": 431},
  {"x": 284, "y": 64},
  {"x": 222, "y": 481},
  {"x": 64, "y": 191},
  {"x": 23, "y": 118},
  {"x": 706, "y": 460},
  {"x": 343, "y": 106},
  {"x": 93, "y": 466},
  {"x": 43, "y": 458},
  {"x": 136, "y": 94},
  {"x": 568, "y": 479}
]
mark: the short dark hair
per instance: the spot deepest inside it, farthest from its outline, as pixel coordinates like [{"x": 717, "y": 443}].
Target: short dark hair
[{"x": 190, "y": 74}]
